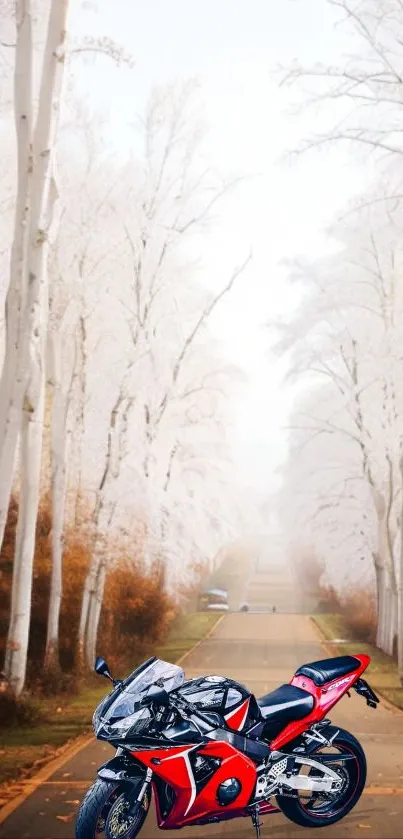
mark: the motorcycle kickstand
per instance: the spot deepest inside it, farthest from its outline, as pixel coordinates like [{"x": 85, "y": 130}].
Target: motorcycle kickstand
[{"x": 255, "y": 821}]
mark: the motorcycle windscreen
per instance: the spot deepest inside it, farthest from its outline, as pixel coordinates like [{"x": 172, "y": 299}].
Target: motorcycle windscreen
[{"x": 125, "y": 704}]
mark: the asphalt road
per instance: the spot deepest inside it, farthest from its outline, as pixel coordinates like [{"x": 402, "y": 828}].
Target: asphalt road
[{"x": 262, "y": 651}]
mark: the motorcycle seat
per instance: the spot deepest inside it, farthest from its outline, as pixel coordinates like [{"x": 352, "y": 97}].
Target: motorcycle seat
[
  {"x": 328, "y": 669},
  {"x": 285, "y": 704}
]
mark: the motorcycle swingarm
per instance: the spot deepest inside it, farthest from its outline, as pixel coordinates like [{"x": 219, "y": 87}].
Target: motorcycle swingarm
[{"x": 285, "y": 774}]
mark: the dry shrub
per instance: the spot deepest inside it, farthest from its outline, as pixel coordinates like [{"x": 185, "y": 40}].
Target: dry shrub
[
  {"x": 136, "y": 612},
  {"x": 77, "y": 554},
  {"x": 24, "y": 711},
  {"x": 328, "y": 599},
  {"x": 309, "y": 568},
  {"x": 359, "y": 612},
  {"x": 357, "y": 608}
]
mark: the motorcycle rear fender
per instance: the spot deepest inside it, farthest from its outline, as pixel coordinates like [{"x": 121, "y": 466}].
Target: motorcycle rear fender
[
  {"x": 121, "y": 768},
  {"x": 325, "y": 697}
]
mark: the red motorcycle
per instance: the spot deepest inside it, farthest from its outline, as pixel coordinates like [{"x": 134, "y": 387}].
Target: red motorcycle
[{"x": 210, "y": 751}]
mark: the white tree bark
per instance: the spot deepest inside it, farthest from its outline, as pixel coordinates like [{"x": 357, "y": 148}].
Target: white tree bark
[
  {"x": 94, "y": 585},
  {"x": 86, "y": 607},
  {"x": 387, "y": 618},
  {"x": 400, "y": 591},
  {"x": 94, "y": 614},
  {"x": 91, "y": 603},
  {"x": 33, "y": 355},
  {"x": 10, "y": 389},
  {"x": 31, "y": 451},
  {"x": 59, "y": 454}
]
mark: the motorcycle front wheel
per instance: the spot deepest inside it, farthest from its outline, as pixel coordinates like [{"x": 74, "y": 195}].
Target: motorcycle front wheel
[
  {"x": 105, "y": 811},
  {"x": 318, "y": 809}
]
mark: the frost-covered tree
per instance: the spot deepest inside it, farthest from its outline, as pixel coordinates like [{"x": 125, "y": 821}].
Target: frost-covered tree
[
  {"x": 167, "y": 388},
  {"x": 346, "y": 433}
]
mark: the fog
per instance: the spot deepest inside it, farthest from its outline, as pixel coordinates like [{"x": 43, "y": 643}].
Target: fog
[
  {"x": 284, "y": 205},
  {"x": 201, "y": 277}
]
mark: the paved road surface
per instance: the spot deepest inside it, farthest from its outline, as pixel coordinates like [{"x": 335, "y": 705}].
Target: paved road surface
[{"x": 262, "y": 651}]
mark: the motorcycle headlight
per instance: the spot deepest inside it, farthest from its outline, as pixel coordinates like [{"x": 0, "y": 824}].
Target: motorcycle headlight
[
  {"x": 126, "y": 723},
  {"x": 136, "y": 722}
]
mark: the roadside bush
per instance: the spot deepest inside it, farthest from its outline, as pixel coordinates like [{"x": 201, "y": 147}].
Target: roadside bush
[
  {"x": 24, "y": 711},
  {"x": 359, "y": 613},
  {"x": 136, "y": 613},
  {"x": 309, "y": 568},
  {"x": 358, "y": 610},
  {"x": 328, "y": 599}
]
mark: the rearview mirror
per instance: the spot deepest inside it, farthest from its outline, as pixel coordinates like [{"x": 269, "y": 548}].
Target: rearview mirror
[{"x": 102, "y": 668}]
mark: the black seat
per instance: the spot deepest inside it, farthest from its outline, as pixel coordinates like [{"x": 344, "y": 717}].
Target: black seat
[
  {"x": 328, "y": 669},
  {"x": 283, "y": 705}
]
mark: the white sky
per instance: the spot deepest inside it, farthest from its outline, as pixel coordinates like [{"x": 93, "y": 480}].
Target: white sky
[{"x": 232, "y": 47}]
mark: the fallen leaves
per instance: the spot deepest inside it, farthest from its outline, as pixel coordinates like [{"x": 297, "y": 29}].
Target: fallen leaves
[{"x": 66, "y": 819}]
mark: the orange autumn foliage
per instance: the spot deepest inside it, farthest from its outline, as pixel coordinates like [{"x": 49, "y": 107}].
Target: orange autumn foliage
[{"x": 136, "y": 610}]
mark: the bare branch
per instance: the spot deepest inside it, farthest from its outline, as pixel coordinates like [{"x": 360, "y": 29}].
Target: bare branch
[{"x": 196, "y": 329}]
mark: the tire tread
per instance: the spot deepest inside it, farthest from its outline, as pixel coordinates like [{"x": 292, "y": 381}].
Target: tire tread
[{"x": 91, "y": 805}]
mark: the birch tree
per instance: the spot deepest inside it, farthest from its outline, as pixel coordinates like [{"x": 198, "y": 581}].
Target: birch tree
[
  {"x": 367, "y": 85},
  {"x": 80, "y": 258},
  {"x": 347, "y": 337},
  {"x": 162, "y": 310},
  {"x": 368, "y": 89},
  {"x": 28, "y": 389},
  {"x": 60, "y": 381},
  {"x": 15, "y": 301}
]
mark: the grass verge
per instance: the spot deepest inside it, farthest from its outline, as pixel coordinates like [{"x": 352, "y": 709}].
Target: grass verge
[
  {"x": 382, "y": 672},
  {"x": 24, "y": 749}
]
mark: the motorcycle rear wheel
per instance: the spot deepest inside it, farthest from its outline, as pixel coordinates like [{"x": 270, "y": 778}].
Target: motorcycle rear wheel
[
  {"x": 317, "y": 811},
  {"x": 103, "y": 812}
]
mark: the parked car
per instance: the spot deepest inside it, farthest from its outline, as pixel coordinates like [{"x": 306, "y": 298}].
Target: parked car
[
  {"x": 214, "y": 599},
  {"x": 218, "y": 607}
]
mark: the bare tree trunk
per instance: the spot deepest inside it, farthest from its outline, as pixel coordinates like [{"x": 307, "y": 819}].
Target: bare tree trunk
[
  {"x": 32, "y": 358},
  {"x": 93, "y": 590},
  {"x": 390, "y": 618},
  {"x": 31, "y": 455},
  {"x": 380, "y": 578},
  {"x": 86, "y": 605},
  {"x": 386, "y": 575},
  {"x": 97, "y": 592},
  {"x": 400, "y": 592},
  {"x": 10, "y": 388},
  {"x": 60, "y": 404},
  {"x": 95, "y": 614},
  {"x": 80, "y": 376},
  {"x": 31, "y": 451}
]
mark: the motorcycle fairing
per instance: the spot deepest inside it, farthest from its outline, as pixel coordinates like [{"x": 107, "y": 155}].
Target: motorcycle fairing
[{"x": 190, "y": 805}]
